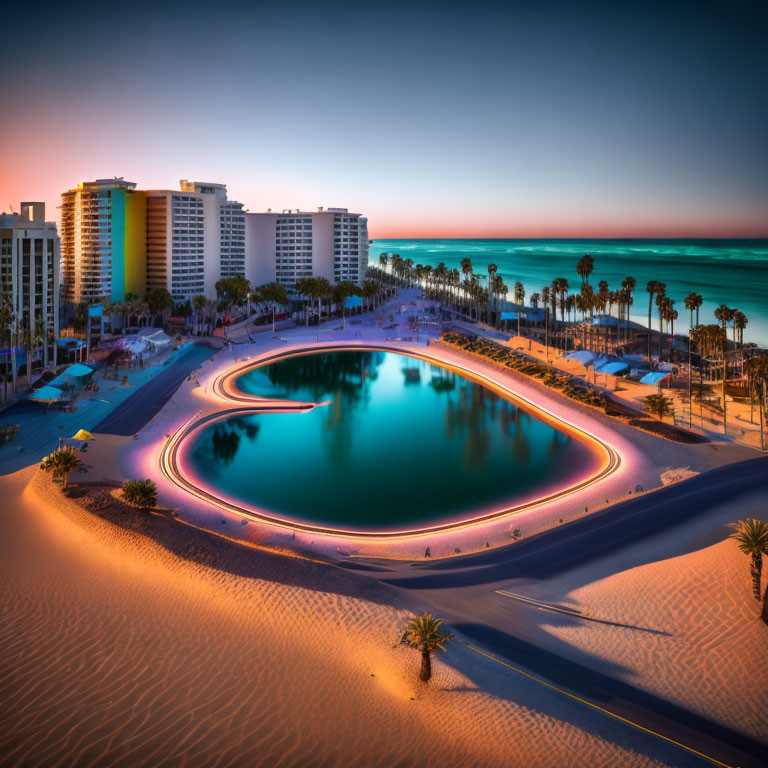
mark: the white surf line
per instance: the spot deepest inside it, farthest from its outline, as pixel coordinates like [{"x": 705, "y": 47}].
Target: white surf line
[{"x": 573, "y": 612}]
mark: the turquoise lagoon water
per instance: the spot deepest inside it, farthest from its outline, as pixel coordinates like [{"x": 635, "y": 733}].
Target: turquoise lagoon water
[
  {"x": 401, "y": 442},
  {"x": 732, "y": 272}
]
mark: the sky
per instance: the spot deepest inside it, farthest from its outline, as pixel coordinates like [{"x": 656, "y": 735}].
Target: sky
[{"x": 517, "y": 119}]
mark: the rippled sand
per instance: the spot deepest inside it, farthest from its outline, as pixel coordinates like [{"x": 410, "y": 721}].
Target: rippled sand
[
  {"x": 692, "y": 585},
  {"x": 149, "y": 643}
]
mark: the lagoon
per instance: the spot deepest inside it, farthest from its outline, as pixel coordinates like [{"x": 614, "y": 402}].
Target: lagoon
[{"x": 398, "y": 443}]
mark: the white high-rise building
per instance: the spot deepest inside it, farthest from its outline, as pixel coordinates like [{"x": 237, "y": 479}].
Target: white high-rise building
[
  {"x": 195, "y": 236},
  {"x": 286, "y": 246},
  {"x": 29, "y": 269}
]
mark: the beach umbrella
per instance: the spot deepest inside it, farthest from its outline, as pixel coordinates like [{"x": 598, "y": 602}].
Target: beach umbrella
[{"x": 83, "y": 434}]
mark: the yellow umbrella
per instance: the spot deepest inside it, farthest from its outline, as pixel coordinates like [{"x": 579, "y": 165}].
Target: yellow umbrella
[{"x": 83, "y": 434}]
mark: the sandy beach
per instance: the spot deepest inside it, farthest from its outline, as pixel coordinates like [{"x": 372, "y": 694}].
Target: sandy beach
[{"x": 150, "y": 643}]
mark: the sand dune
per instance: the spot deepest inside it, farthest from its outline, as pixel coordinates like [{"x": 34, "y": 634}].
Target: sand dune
[
  {"x": 148, "y": 643},
  {"x": 692, "y": 585}
]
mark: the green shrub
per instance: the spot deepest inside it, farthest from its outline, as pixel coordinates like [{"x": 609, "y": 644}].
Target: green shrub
[{"x": 140, "y": 493}]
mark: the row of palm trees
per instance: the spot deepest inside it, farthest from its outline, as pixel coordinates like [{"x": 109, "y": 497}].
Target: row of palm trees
[
  {"x": 19, "y": 333},
  {"x": 157, "y": 303},
  {"x": 462, "y": 287},
  {"x": 588, "y": 301}
]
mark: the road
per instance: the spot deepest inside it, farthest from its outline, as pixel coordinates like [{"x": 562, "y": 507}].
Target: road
[
  {"x": 463, "y": 591},
  {"x": 132, "y": 414}
]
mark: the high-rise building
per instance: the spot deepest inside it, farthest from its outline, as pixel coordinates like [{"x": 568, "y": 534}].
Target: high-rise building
[
  {"x": 287, "y": 246},
  {"x": 103, "y": 241},
  {"x": 118, "y": 240},
  {"x": 176, "y": 243},
  {"x": 29, "y": 269},
  {"x": 195, "y": 236}
]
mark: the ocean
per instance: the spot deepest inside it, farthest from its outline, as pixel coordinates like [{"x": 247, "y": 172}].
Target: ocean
[{"x": 732, "y": 272}]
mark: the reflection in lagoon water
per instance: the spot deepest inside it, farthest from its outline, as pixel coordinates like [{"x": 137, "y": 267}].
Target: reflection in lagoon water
[{"x": 400, "y": 441}]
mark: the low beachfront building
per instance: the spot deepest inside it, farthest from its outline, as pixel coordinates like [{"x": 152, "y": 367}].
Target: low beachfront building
[{"x": 29, "y": 272}]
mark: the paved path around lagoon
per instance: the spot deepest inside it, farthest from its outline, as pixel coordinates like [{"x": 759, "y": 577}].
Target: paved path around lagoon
[
  {"x": 463, "y": 590},
  {"x": 134, "y": 412}
]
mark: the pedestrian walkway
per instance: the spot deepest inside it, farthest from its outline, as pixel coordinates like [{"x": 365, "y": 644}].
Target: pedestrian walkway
[{"x": 40, "y": 428}]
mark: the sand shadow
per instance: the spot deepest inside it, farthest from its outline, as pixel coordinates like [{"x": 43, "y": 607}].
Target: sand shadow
[{"x": 201, "y": 547}]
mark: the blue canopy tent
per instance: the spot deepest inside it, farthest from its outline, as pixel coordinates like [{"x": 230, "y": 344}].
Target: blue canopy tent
[
  {"x": 68, "y": 341},
  {"x": 612, "y": 368},
  {"x": 585, "y": 357},
  {"x": 46, "y": 394},
  {"x": 655, "y": 377},
  {"x": 76, "y": 375},
  {"x": 19, "y": 354},
  {"x": 353, "y": 301},
  {"x": 78, "y": 371}
]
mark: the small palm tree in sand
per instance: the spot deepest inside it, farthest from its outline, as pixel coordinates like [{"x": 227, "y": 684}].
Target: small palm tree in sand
[
  {"x": 140, "y": 493},
  {"x": 61, "y": 462},
  {"x": 752, "y": 539},
  {"x": 659, "y": 406},
  {"x": 424, "y": 632}
]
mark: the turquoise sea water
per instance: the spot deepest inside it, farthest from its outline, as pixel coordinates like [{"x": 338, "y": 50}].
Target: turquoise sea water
[
  {"x": 400, "y": 442},
  {"x": 732, "y": 272}
]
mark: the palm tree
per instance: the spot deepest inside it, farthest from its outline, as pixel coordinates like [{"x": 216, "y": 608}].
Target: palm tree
[
  {"x": 198, "y": 303},
  {"x": 560, "y": 287},
  {"x": 751, "y": 537},
  {"x": 667, "y": 314},
  {"x": 756, "y": 369},
  {"x": 61, "y": 462},
  {"x": 653, "y": 287},
  {"x": 585, "y": 267},
  {"x": 628, "y": 284},
  {"x": 424, "y": 632},
  {"x": 340, "y": 293},
  {"x": 545, "y": 291},
  {"x": 519, "y": 299},
  {"x": 140, "y": 493},
  {"x": 692, "y": 303},
  {"x": 6, "y": 324},
  {"x": 273, "y": 294},
  {"x": 158, "y": 301},
  {"x": 739, "y": 324},
  {"x": 321, "y": 288},
  {"x": 383, "y": 260},
  {"x": 724, "y": 314},
  {"x": 304, "y": 287},
  {"x": 492, "y": 270},
  {"x": 40, "y": 339},
  {"x": 370, "y": 291},
  {"x": 713, "y": 340}
]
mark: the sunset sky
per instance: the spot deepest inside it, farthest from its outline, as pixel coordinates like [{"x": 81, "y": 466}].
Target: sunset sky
[{"x": 436, "y": 120}]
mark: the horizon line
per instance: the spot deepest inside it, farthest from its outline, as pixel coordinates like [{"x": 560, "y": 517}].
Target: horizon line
[{"x": 565, "y": 237}]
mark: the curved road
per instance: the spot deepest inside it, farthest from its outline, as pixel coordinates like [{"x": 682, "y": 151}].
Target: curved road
[
  {"x": 463, "y": 589},
  {"x": 134, "y": 412}
]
